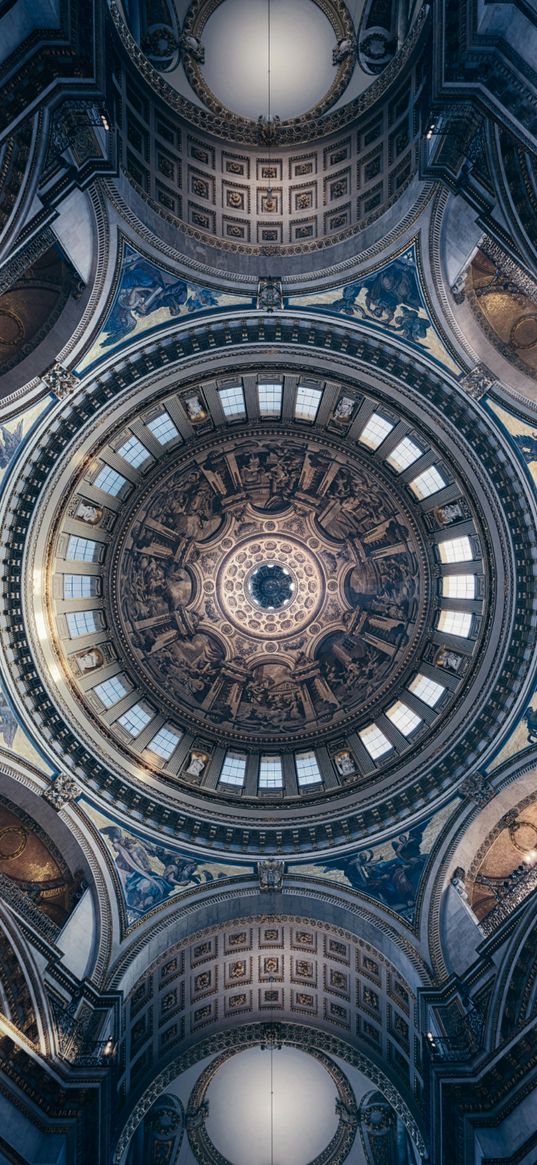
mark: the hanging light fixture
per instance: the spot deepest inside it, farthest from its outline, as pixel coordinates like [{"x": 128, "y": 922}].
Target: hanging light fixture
[{"x": 271, "y": 202}]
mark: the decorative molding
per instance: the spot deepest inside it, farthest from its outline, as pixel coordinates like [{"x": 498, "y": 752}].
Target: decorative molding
[
  {"x": 270, "y": 872},
  {"x": 14, "y": 268},
  {"x": 62, "y": 790},
  {"x": 335, "y": 1153},
  {"x": 60, "y": 380},
  {"x": 251, "y": 1035}
]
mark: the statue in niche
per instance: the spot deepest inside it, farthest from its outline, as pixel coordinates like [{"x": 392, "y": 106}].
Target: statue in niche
[
  {"x": 344, "y": 410},
  {"x": 451, "y": 512},
  {"x": 197, "y": 763},
  {"x": 87, "y": 512},
  {"x": 448, "y": 659},
  {"x": 90, "y": 660},
  {"x": 344, "y": 763},
  {"x": 195, "y": 409}
]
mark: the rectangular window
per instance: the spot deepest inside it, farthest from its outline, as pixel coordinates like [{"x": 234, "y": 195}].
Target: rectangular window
[
  {"x": 307, "y": 769},
  {"x": 375, "y": 741},
  {"x": 83, "y": 622},
  {"x": 110, "y": 691},
  {"x": 165, "y": 742},
  {"x": 80, "y": 586},
  {"x": 134, "y": 452},
  {"x": 270, "y": 399},
  {"x": 307, "y": 403},
  {"x": 459, "y": 586},
  {"x": 82, "y": 549},
  {"x": 426, "y": 690},
  {"x": 135, "y": 720},
  {"x": 404, "y": 454},
  {"x": 456, "y": 550},
  {"x": 108, "y": 480},
  {"x": 403, "y": 717},
  {"x": 163, "y": 428},
  {"x": 375, "y": 432},
  {"x": 270, "y": 772},
  {"x": 232, "y": 400},
  {"x": 455, "y": 623},
  {"x": 233, "y": 771},
  {"x": 427, "y": 483}
]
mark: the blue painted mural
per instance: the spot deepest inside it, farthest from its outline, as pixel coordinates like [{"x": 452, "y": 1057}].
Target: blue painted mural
[
  {"x": 148, "y": 296},
  {"x": 389, "y": 872},
  {"x": 151, "y": 872},
  {"x": 391, "y": 298}
]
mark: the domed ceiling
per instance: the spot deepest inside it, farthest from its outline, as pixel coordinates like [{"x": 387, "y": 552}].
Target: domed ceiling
[
  {"x": 269, "y": 589},
  {"x": 264, "y": 585},
  {"x": 260, "y": 124}
]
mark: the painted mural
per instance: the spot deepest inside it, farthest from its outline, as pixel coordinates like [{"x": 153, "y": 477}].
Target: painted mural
[
  {"x": 30, "y": 860},
  {"x": 14, "y": 433},
  {"x": 149, "y": 872},
  {"x": 147, "y": 297},
  {"x": 391, "y": 298},
  {"x": 13, "y": 737},
  {"x": 391, "y": 871},
  {"x": 506, "y": 863}
]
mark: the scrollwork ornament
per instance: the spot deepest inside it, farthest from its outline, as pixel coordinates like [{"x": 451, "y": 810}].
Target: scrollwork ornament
[
  {"x": 61, "y": 791},
  {"x": 60, "y": 380}
]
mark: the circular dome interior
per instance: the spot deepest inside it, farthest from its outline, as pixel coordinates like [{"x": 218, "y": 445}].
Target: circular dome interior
[
  {"x": 236, "y": 40},
  {"x": 287, "y": 1107}
]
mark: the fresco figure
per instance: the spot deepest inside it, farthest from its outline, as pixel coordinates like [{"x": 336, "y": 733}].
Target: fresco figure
[
  {"x": 9, "y": 443},
  {"x": 144, "y": 289},
  {"x": 393, "y": 880}
]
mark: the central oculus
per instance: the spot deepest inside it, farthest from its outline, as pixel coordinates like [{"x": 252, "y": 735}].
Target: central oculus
[
  {"x": 271, "y": 586},
  {"x": 235, "y": 40}
]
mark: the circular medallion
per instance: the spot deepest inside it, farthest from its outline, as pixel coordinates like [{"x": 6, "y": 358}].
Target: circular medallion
[{"x": 261, "y": 595}]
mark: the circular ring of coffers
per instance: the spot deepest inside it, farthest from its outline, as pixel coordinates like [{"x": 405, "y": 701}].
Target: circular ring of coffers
[{"x": 420, "y": 756}]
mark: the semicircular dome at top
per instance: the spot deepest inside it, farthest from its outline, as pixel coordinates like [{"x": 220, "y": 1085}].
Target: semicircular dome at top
[{"x": 268, "y": 125}]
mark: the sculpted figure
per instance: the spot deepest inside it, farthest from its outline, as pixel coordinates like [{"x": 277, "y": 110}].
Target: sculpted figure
[{"x": 86, "y": 512}]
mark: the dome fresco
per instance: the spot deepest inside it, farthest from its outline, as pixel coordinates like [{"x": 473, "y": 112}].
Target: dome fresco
[{"x": 268, "y": 534}]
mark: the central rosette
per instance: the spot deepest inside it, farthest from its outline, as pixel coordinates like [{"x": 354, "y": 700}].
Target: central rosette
[{"x": 271, "y": 586}]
